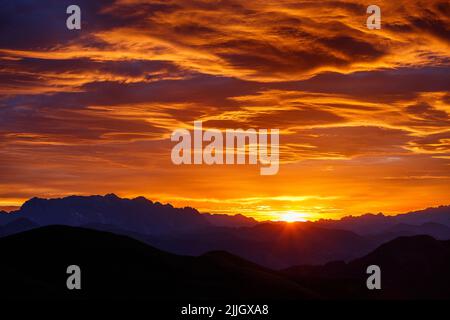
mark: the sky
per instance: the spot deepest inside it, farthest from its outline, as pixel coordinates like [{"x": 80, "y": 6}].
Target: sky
[{"x": 363, "y": 114}]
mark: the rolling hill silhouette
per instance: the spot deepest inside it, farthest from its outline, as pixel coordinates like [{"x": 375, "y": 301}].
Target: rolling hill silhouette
[
  {"x": 275, "y": 245},
  {"x": 34, "y": 265},
  {"x": 412, "y": 268}
]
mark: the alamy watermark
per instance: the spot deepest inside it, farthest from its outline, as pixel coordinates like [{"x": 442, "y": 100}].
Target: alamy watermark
[
  {"x": 237, "y": 147},
  {"x": 374, "y": 20},
  {"x": 74, "y": 280},
  {"x": 374, "y": 280},
  {"x": 73, "y": 21}
]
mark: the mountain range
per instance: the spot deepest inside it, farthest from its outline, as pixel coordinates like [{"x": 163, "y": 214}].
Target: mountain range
[
  {"x": 185, "y": 231},
  {"x": 377, "y": 223},
  {"x": 136, "y": 215}
]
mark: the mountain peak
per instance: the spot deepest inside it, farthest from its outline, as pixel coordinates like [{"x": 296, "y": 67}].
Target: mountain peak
[
  {"x": 112, "y": 196},
  {"x": 413, "y": 247},
  {"x": 142, "y": 199}
]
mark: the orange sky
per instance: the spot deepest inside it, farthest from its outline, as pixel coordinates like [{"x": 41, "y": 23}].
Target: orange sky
[{"x": 363, "y": 114}]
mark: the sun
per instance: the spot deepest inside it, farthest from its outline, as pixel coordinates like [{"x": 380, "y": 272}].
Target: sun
[{"x": 292, "y": 216}]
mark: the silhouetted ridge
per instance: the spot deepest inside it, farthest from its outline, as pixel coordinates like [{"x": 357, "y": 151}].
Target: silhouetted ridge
[
  {"x": 120, "y": 267},
  {"x": 370, "y": 224},
  {"x": 407, "y": 250},
  {"x": 137, "y": 215},
  {"x": 411, "y": 268},
  {"x": 34, "y": 264},
  {"x": 16, "y": 226}
]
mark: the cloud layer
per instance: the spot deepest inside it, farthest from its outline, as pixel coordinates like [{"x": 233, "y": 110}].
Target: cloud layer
[{"x": 364, "y": 114}]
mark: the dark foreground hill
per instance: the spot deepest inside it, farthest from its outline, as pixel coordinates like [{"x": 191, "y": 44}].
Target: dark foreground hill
[
  {"x": 415, "y": 267},
  {"x": 33, "y": 264}
]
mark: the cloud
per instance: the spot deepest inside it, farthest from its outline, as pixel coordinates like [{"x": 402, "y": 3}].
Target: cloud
[
  {"x": 270, "y": 41},
  {"x": 424, "y": 111}
]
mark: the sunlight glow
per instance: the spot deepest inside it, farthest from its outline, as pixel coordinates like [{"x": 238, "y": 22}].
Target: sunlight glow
[{"x": 292, "y": 216}]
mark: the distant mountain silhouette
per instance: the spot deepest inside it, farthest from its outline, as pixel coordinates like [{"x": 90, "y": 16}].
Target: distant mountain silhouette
[
  {"x": 6, "y": 217},
  {"x": 135, "y": 215},
  {"x": 436, "y": 230},
  {"x": 34, "y": 265},
  {"x": 372, "y": 224},
  {"x": 16, "y": 226},
  {"x": 275, "y": 245},
  {"x": 225, "y": 220},
  {"x": 411, "y": 268}
]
